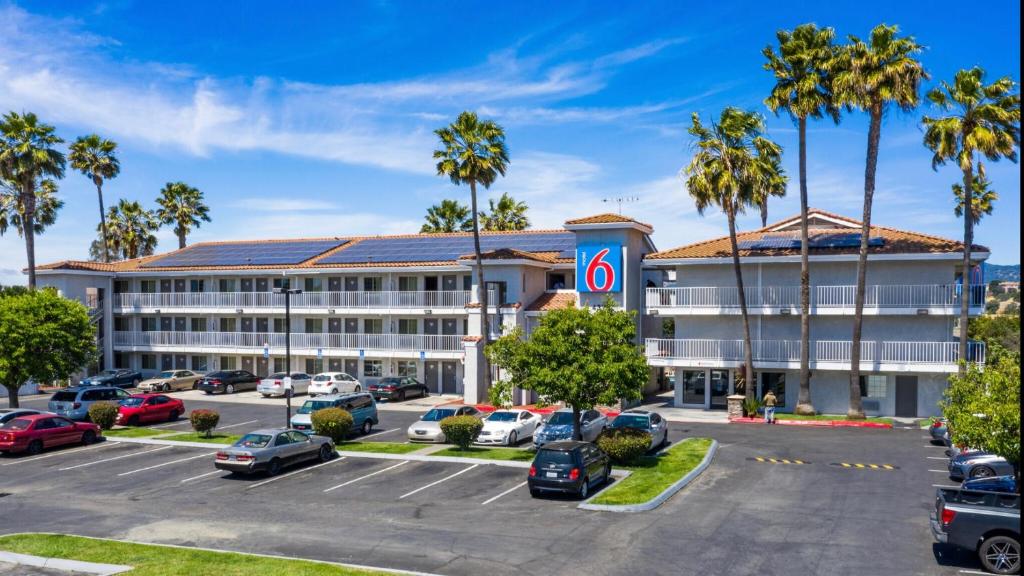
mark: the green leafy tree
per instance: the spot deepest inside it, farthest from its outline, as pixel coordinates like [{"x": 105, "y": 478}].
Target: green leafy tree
[
  {"x": 47, "y": 206},
  {"x": 734, "y": 167},
  {"x": 1000, "y": 333},
  {"x": 96, "y": 158},
  {"x": 448, "y": 216},
  {"x": 803, "y": 89},
  {"x": 580, "y": 356},
  {"x": 132, "y": 230},
  {"x": 872, "y": 76},
  {"x": 983, "y": 408},
  {"x": 182, "y": 205},
  {"x": 28, "y": 156},
  {"x": 507, "y": 214},
  {"x": 983, "y": 198},
  {"x": 980, "y": 120},
  {"x": 473, "y": 152},
  {"x": 43, "y": 337}
]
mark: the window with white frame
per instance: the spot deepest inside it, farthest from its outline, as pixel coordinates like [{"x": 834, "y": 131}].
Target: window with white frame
[
  {"x": 148, "y": 324},
  {"x": 280, "y": 364},
  {"x": 314, "y": 325},
  {"x": 873, "y": 386},
  {"x": 407, "y": 283},
  {"x": 372, "y": 284},
  {"x": 199, "y": 363},
  {"x": 227, "y": 285},
  {"x": 373, "y": 326},
  {"x": 313, "y": 284},
  {"x": 373, "y": 368},
  {"x": 228, "y": 363},
  {"x": 408, "y": 326},
  {"x": 279, "y": 325},
  {"x": 147, "y": 286},
  {"x": 228, "y": 325},
  {"x": 408, "y": 368},
  {"x": 198, "y": 324}
]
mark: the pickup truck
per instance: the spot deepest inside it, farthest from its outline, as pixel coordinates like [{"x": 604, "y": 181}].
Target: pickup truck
[{"x": 987, "y": 523}]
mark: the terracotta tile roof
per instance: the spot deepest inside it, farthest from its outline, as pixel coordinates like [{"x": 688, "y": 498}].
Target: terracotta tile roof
[
  {"x": 552, "y": 301},
  {"x": 472, "y": 338},
  {"x": 513, "y": 254},
  {"x": 607, "y": 218},
  {"x": 894, "y": 241}
]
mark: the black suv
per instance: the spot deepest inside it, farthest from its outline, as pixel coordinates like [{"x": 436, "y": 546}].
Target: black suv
[{"x": 569, "y": 467}]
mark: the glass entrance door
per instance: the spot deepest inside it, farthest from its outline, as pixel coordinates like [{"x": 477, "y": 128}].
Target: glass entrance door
[
  {"x": 693, "y": 386},
  {"x": 719, "y": 389}
]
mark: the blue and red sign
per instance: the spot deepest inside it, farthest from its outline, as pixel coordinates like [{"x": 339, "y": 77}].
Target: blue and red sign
[{"x": 599, "y": 268}]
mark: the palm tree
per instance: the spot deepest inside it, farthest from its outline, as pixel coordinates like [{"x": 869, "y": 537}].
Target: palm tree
[
  {"x": 506, "y": 215},
  {"x": 983, "y": 199},
  {"x": 47, "y": 206},
  {"x": 871, "y": 76},
  {"x": 132, "y": 229},
  {"x": 802, "y": 88},
  {"x": 448, "y": 216},
  {"x": 182, "y": 205},
  {"x": 27, "y": 157},
  {"x": 981, "y": 120},
  {"x": 734, "y": 167},
  {"x": 473, "y": 152},
  {"x": 95, "y": 158}
]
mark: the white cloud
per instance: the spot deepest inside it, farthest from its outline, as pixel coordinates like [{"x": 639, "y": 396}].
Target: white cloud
[{"x": 282, "y": 204}]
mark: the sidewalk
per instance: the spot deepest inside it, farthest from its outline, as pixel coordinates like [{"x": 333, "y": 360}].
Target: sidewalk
[{"x": 413, "y": 405}]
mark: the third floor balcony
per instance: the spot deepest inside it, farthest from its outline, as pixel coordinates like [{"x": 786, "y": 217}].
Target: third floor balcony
[{"x": 374, "y": 302}]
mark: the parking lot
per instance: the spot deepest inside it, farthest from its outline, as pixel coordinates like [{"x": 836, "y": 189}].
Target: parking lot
[{"x": 776, "y": 500}]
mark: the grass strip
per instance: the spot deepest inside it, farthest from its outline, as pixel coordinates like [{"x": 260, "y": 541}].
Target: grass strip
[
  {"x": 151, "y": 560},
  {"x": 513, "y": 454},
  {"x": 653, "y": 474},
  {"x": 788, "y": 416},
  {"x": 201, "y": 437},
  {"x": 134, "y": 432},
  {"x": 381, "y": 447}
]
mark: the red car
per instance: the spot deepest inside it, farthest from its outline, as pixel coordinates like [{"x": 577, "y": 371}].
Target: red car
[
  {"x": 143, "y": 408},
  {"x": 32, "y": 433}
]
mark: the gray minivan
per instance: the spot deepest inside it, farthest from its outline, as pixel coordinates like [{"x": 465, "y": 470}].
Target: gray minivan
[
  {"x": 360, "y": 405},
  {"x": 74, "y": 402}
]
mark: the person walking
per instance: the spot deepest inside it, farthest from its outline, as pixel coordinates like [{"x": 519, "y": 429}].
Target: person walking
[{"x": 769, "y": 407}]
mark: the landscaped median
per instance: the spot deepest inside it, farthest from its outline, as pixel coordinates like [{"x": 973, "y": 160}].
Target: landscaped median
[
  {"x": 837, "y": 420},
  {"x": 513, "y": 454},
  {"x": 160, "y": 560},
  {"x": 654, "y": 479}
]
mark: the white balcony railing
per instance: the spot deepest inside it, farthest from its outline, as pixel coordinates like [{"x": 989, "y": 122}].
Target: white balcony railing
[
  {"x": 299, "y": 341},
  {"x": 305, "y": 300},
  {"x": 723, "y": 297},
  {"x": 876, "y": 296}
]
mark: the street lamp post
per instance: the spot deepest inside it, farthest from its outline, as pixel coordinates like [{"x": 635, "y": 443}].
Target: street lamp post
[{"x": 287, "y": 291}]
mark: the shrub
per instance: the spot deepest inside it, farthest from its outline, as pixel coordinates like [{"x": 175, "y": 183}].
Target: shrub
[
  {"x": 333, "y": 423},
  {"x": 103, "y": 414},
  {"x": 624, "y": 445},
  {"x": 750, "y": 407},
  {"x": 204, "y": 420},
  {"x": 461, "y": 430}
]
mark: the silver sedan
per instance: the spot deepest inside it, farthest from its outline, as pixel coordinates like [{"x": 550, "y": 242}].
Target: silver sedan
[
  {"x": 273, "y": 449},
  {"x": 428, "y": 427}
]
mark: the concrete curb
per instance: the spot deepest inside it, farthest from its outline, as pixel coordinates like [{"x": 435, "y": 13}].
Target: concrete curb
[
  {"x": 820, "y": 423},
  {"x": 660, "y": 498},
  {"x": 62, "y": 564},
  {"x": 158, "y": 442}
]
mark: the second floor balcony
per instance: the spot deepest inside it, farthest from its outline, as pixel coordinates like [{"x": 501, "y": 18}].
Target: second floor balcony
[
  {"x": 879, "y": 299},
  {"x": 302, "y": 344},
  {"x": 383, "y": 302}
]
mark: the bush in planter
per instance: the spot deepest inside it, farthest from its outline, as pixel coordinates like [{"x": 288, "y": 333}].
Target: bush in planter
[
  {"x": 204, "y": 420},
  {"x": 103, "y": 414},
  {"x": 461, "y": 430},
  {"x": 334, "y": 423},
  {"x": 751, "y": 406},
  {"x": 624, "y": 445}
]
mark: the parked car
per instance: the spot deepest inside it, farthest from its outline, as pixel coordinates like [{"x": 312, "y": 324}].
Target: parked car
[
  {"x": 32, "y": 433},
  {"x": 649, "y": 422},
  {"x": 121, "y": 377},
  {"x": 939, "y": 431},
  {"x": 569, "y": 467},
  {"x": 428, "y": 427},
  {"x": 398, "y": 388},
  {"x": 359, "y": 404},
  {"x": 12, "y": 413},
  {"x": 986, "y": 523},
  {"x": 74, "y": 402},
  {"x": 508, "y": 427},
  {"x": 171, "y": 381},
  {"x": 992, "y": 484},
  {"x": 970, "y": 465},
  {"x": 333, "y": 383},
  {"x": 228, "y": 381},
  {"x": 277, "y": 384},
  {"x": 147, "y": 408},
  {"x": 273, "y": 449},
  {"x": 559, "y": 427}
]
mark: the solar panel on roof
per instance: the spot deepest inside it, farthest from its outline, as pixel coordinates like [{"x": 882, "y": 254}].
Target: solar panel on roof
[
  {"x": 427, "y": 248},
  {"x": 842, "y": 241},
  {"x": 246, "y": 254}
]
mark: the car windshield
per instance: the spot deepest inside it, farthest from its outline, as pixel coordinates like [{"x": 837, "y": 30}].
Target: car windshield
[
  {"x": 322, "y": 378},
  {"x": 553, "y": 457},
  {"x": 253, "y": 441},
  {"x": 437, "y": 414},
  {"x": 16, "y": 424},
  {"x": 630, "y": 421},
  {"x": 560, "y": 419},
  {"x": 65, "y": 396},
  {"x": 502, "y": 417},
  {"x": 168, "y": 374},
  {"x": 314, "y": 405}
]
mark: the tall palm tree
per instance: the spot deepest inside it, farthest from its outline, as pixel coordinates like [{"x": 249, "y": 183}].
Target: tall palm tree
[
  {"x": 733, "y": 168},
  {"x": 132, "y": 229},
  {"x": 473, "y": 152},
  {"x": 507, "y": 214},
  {"x": 981, "y": 120},
  {"x": 871, "y": 76},
  {"x": 983, "y": 198},
  {"x": 448, "y": 216},
  {"x": 802, "y": 88},
  {"x": 182, "y": 205},
  {"x": 27, "y": 157},
  {"x": 95, "y": 158},
  {"x": 47, "y": 206}
]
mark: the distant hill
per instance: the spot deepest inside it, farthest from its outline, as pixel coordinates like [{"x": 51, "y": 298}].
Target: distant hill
[{"x": 997, "y": 272}]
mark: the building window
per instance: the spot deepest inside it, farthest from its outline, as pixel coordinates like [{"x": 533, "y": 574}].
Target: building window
[
  {"x": 694, "y": 382},
  {"x": 197, "y": 285},
  {"x": 373, "y": 326},
  {"x": 372, "y": 284},
  {"x": 226, "y": 285},
  {"x": 199, "y": 363},
  {"x": 280, "y": 364},
  {"x": 228, "y": 325},
  {"x": 281, "y": 283},
  {"x": 314, "y": 365},
  {"x": 556, "y": 281},
  {"x": 279, "y": 325},
  {"x": 498, "y": 290},
  {"x": 315, "y": 284},
  {"x": 873, "y": 386},
  {"x": 314, "y": 325},
  {"x": 407, "y": 284},
  {"x": 148, "y": 324},
  {"x": 776, "y": 382},
  {"x": 408, "y": 368},
  {"x": 408, "y": 326},
  {"x": 373, "y": 368},
  {"x": 122, "y": 286},
  {"x": 467, "y": 283},
  {"x": 147, "y": 286},
  {"x": 228, "y": 363},
  {"x": 149, "y": 361},
  {"x": 198, "y": 324}
]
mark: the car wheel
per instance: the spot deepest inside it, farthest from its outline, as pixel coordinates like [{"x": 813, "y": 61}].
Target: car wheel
[
  {"x": 136, "y": 382},
  {"x": 982, "y": 472},
  {"x": 326, "y": 453},
  {"x": 265, "y": 395},
  {"x": 34, "y": 447},
  {"x": 335, "y": 390},
  {"x": 367, "y": 426},
  {"x": 172, "y": 416},
  {"x": 358, "y": 389},
  {"x": 513, "y": 438},
  {"x": 584, "y": 489},
  {"x": 401, "y": 396},
  {"x": 229, "y": 389},
  {"x": 208, "y": 392},
  {"x": 425, "y": 392},
  {"x": 274, "y": 467},
  {"x": 88, "y": 437},
  {"x": 1000, "y": 554}
]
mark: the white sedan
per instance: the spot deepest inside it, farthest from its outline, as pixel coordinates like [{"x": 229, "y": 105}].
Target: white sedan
[
  {"x": 277, "y": 384},
  {"x": 334, "y": 383},
  {"x": 508, "y": 427}
]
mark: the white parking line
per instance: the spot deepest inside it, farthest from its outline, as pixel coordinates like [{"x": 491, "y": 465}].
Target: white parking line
[
  {"x": 379, "y": 433},
  {"x": 509, "y": 491},
  {"x": 166, "y": 464},
  {"x": 306, "y": 469},
  {"x": 114, "y": 458},
  {"x": 178, "y": 423},
  {"x": 940, "y": 471},
  {"x": 973, "y": 572},
  {"x": 233, "y": 425},
  {"x": 435, "y": 483},
  {"x": 354, "y": 480},
  {"x": 936, "y": 458},
  {"x": 62, "y": 452},
  {"x": 201, "y": 476}
]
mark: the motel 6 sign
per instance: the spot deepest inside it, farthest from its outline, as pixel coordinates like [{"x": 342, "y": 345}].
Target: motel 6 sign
[{"x": 599, "y": 268}]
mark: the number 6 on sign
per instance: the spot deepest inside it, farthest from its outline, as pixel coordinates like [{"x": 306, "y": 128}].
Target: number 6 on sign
[{"x": 599, "y": 268}]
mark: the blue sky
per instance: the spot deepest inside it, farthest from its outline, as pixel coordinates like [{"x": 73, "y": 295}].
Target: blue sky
[{"x": 318, "y": 120}]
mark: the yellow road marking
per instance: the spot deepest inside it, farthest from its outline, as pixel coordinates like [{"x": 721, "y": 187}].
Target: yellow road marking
[
  {"x": 887, "y": 467},
  {"x": 759, "y": 459},
  {"x": 798, "y": 461},
  {"x": 845, "y": 465},
  {"x": 859, "y": 465}
]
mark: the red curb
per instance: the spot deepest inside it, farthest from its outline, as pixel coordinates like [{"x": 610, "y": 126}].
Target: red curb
[{"x": 829, "y": 423}]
